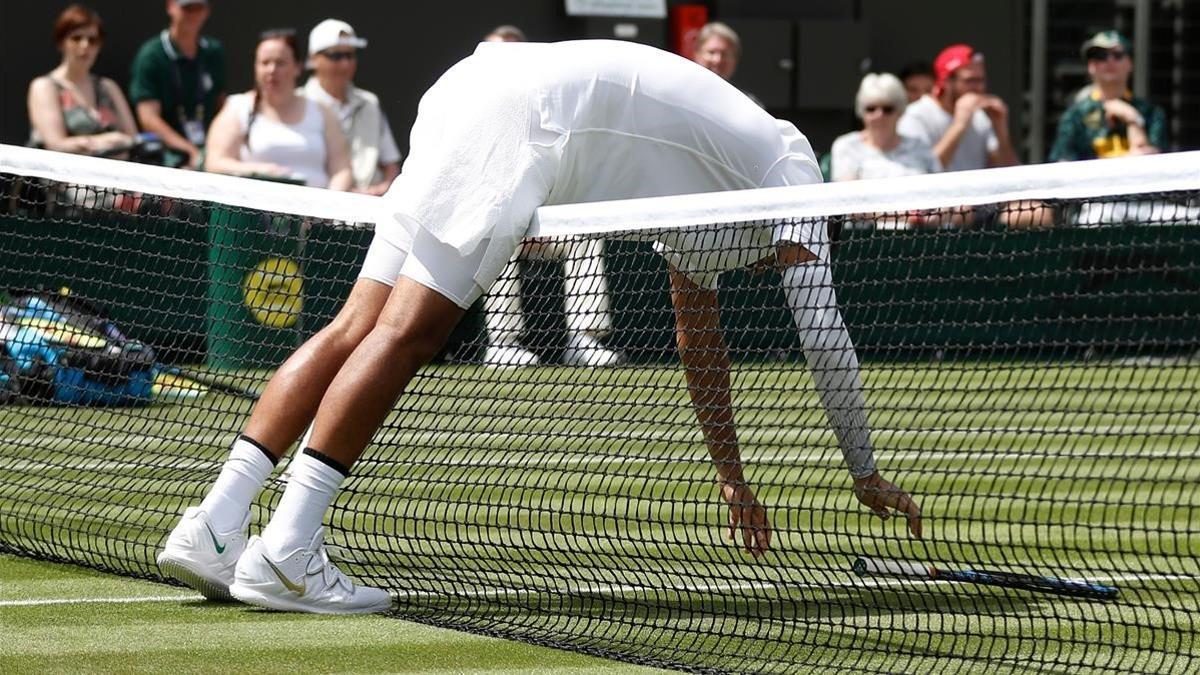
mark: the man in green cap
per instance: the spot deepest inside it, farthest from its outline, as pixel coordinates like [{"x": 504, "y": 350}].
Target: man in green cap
[{"x": 1110, "y": 121}]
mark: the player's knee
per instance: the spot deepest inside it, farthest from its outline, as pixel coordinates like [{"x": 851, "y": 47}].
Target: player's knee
[
  {"x": 408, "y": 340},
  {"x": 349, "y": 329}
]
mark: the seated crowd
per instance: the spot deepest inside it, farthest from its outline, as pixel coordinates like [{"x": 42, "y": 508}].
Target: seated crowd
[
  {"x": 928, "y": 119},
  {"x": 329, "y": 133}
]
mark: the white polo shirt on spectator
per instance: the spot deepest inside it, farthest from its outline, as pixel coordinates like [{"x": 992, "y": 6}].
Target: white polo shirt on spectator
[
  {"x": 925, "y": 119},
  {"x": 366, "y": 127}
]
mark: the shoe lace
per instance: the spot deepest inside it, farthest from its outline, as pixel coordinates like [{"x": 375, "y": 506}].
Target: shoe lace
[{"x": 330, "y": 574}]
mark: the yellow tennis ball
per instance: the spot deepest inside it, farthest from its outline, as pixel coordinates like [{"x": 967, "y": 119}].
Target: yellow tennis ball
[{"x": 273, "y": 292}]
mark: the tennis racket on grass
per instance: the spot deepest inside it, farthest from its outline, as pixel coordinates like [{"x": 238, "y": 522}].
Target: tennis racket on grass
[{"x": 864, "y": 567}]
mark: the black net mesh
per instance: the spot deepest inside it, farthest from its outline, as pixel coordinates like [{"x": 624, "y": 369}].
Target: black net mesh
[{"x": 1031, "y": 371}]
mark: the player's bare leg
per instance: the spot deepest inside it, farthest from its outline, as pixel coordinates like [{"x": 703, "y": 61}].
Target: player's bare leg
[
  {"x": 295, "y": 391},
  {"x": 287, "y": 568},
  {"x": 205, "y": 545}
]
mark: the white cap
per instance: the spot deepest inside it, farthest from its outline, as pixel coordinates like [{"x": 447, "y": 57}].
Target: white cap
[{"x": 333, "y": 33}]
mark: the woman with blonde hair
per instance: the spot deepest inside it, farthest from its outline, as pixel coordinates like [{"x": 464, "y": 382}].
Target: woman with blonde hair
[
  {"x": 879, "y": 150},
  {"x": 275, "y": 132}
]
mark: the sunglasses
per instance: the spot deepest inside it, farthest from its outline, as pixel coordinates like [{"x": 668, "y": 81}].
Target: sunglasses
[
  {"x": 81, "y": 37},
  {"x": 338, "y": 57},
  {"x": 885, "y": 109},
  {"x": 1106, "y": 55}
]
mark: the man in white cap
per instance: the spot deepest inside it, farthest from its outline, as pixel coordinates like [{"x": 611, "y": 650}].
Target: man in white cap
[{"x": 333, "y": 57}]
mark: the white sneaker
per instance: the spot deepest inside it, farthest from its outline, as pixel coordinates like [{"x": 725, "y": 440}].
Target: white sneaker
[
  {"x": 304, "y": 581},
  {"x": 585, "y": 350},
  {"x": 501, "y": 356},
  {"x": 201, "y": 557}
]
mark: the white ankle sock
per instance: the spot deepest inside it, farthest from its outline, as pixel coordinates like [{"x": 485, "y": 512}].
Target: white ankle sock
[
  {"x": 309, "y": 493},
  {"x": 243, "y": 475}
]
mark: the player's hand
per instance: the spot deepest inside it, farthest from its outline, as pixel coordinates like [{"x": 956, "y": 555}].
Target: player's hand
[
  {"x": 881, "y": 497},
  {"x": 746, "y": 514}
]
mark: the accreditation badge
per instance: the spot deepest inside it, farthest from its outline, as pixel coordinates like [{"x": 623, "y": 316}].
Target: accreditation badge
[{"x": 194, "y": 130}]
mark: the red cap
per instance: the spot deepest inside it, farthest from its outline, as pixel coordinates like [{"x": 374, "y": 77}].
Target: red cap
[{"x": 951, "y": 59}]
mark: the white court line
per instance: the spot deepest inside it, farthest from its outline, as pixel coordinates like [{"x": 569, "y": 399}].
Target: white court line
[
  {"x": 112, "y": 440},
  {"x": 95, "y": 601},
  {"x": 542, "y": 460},
  {"x": 806, "y": 433}
]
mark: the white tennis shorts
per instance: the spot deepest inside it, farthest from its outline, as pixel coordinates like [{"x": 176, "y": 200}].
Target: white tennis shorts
[{"x": 429, "y": 262}]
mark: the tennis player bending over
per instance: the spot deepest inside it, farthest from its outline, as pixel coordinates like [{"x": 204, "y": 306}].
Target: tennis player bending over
[{"x": 511, "y": 128}]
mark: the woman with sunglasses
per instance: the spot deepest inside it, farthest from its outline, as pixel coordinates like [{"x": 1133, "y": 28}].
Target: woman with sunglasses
[
  {"x": 879, "y": 150},
  {"x": 71, "y": 109},
  {"x": 275, "y": 132}
]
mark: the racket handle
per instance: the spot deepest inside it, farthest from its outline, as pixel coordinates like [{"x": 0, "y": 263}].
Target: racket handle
[
  {"x": 891, "y": 568},
  {"x": 1055, "y": 585}
]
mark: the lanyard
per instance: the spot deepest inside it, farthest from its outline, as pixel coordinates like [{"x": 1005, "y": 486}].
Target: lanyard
[{"x": 177, "y": 71}]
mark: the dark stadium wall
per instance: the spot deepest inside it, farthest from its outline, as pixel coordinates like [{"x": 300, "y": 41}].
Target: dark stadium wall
[
  {"x": 413, "y": 43},
  {"x": 410, "y": 43}
]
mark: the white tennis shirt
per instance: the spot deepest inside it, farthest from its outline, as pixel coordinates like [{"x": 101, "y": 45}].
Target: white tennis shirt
[{"x": 516, "y": 126}]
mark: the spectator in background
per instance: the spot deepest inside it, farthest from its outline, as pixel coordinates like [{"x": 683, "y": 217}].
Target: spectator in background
[
  {"x": 719, "y": 49},
  {"x": 71, "y": 109},
  {"x": 505, "y": 33},
  {"x": 585, "y": 291},
  {"x": 967, "y": 127},
  {"x": 879, "y": 150},
  {"x": 333, "y": 57},
  {"x": 918, "y": 79},
  {"x": 178, "y": 83},
  {"x": 1109, "y": 121},
  {"x": 276, "y": 132}
]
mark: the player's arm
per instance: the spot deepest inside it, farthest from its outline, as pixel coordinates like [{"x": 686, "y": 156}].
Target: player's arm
[
  {"x": 706, "y": 362},
  {"x": 808, "y": 288}
]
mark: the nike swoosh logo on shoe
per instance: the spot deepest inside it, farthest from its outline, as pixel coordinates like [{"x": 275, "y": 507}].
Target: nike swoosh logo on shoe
[
  {"x": 283, "y": 579},
  {"x": 216, "y": 544}
]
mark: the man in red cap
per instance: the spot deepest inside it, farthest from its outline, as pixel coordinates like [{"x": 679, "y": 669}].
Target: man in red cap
[{"x": 967, "y": 127}]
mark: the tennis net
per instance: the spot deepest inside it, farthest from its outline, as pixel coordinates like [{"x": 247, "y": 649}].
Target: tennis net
[{"x": 1029, "y": 342}]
